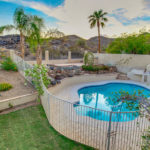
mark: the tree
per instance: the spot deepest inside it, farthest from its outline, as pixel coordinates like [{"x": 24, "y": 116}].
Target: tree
[
  {"x": 98, "y": 18},
  {"x": 81, "y": 43},
  {"x": 34, "y": 32},
  {"x": 20, "y": 24},
  {"x": 51, "y": 34},
  {"x": 139, "y": 102},
  {"x": 135, "y": 43}
]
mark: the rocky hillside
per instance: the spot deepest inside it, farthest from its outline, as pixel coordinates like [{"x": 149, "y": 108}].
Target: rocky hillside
[
  {"x": 92, "y": 43},
  {"x": 59, "y": 47},
  {"x": 75, "y": 42},
  {"x": 10, "y": 41}
]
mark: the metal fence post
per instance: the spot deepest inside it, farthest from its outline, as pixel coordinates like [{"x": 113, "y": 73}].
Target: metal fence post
[{"x": 109, "y": 132}]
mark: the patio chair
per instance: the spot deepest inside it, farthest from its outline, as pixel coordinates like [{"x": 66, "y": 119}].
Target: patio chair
[
  {"x": 136, "y": 75},
  {"x": 142, "y": 75}
]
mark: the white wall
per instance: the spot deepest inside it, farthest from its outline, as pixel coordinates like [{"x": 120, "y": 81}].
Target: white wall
[
  {"x": 19, "y": 100},
  {"x": 124, "y": 62}
]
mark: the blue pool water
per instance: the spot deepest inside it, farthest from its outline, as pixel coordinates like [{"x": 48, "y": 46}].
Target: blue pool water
[{"x": 101, "y": 102}]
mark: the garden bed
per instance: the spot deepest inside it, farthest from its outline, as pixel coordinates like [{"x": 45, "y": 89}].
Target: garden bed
[
  {"x": 58, "y": 73},
  {"x": 18, "y": 83}
]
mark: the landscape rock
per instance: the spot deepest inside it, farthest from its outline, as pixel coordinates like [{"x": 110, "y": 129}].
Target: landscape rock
[
  {"x": 58, "y": 81},
  {"x": 59, "y": 76},
  {"x": 53, "y": 82},
  {"x": 70, "y": 74},
  {"x": 60, "y": 72}
]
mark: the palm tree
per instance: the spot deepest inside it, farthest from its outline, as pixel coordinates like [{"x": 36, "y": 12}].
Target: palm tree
[
  {"x": 34, "y": 31},
  {"x": 20, "y": 24},
  {"x": 98, "y": 18}
]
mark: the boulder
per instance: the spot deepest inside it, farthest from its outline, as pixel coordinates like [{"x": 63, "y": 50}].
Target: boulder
[
  {"x": 53, "y": 82},
  {"x": 59, "y": 76},
  {"x": 58, "y": 81}
]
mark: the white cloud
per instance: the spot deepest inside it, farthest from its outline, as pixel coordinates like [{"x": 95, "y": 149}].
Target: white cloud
[
  {"x": 73, "y": 15},
  {"x": 147, "y": 3}
]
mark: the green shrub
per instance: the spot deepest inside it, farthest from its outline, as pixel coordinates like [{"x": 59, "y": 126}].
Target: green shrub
[
  {"x": 90, "y": 68},
  {"x": 2, "y": 55},
  {"x": 104, "y": 67},
  {"x": 130, "y": 44},
  {"x": 89, "y": 59},
  {"x": 8, "y": 64},
  {"x": 37, "y": 73},
  {"x": 94, "y": 68},
  {"x": 10, "y": 105},
  {"x": 81, "y": 43},
  {"x": 5, "y": 86}
]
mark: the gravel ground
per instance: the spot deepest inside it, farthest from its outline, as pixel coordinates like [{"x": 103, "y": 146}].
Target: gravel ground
[{"x": 17, "y": 81}]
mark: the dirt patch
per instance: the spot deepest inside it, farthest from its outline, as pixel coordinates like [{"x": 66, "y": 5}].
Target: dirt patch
[{"x": 18, "y": 83}]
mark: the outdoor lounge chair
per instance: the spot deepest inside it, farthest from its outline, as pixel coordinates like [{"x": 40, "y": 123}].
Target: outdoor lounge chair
[{"x": 140, "y": 75}]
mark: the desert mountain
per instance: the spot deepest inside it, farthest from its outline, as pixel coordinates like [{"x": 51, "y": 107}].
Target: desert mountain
[{"x": 59, "y": 46}]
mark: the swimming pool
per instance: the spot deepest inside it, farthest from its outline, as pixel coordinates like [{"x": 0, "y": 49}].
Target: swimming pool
[{"x": 101, "y": 104}]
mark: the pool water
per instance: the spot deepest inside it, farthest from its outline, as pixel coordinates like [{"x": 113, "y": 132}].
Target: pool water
[{"x": 103, "y": 105}]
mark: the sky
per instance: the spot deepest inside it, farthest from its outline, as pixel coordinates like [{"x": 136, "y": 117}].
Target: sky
[{"x": 71, "y": 16}]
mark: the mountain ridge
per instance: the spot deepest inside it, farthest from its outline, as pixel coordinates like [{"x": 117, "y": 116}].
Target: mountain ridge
[{"x": 60, "y": 45}]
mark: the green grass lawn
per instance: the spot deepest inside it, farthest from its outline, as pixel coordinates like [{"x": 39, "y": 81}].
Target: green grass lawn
[{"x": 28, "y": 129}]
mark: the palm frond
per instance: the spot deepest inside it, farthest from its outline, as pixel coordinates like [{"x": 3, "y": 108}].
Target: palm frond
[
  {"x": 91, "y": 16},
  {"x": 102, "y": 24},
  {"x": 100, "y": 12},
  {"x": 105, "y": 19},
  {"x": 34, "y": 30},
  {"x": 92, "y": 25},
  {"x": 20, "y": 19},
  {"x": 6, "y": 28},
  {"x": 105, "y": 13},
  {"x": 98, "y": 16},
  {"x": 91, "y": 20}
]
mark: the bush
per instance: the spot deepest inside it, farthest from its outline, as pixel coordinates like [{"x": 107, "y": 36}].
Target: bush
[
  {"x": 89, "y": 59},
  {"x": 94, "y": 68},
  {"x": 2, "y": 55},
  {"x": 37, "y": 73},
  {"x": 130, "y": 44},
  {"x": 104, "y": 67},
  {"x": 81, "y": 43},
  {"x": 90, "y": 68},
  {"x": 8, "y": 64},
  {"x": 5, "y": 86}
]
